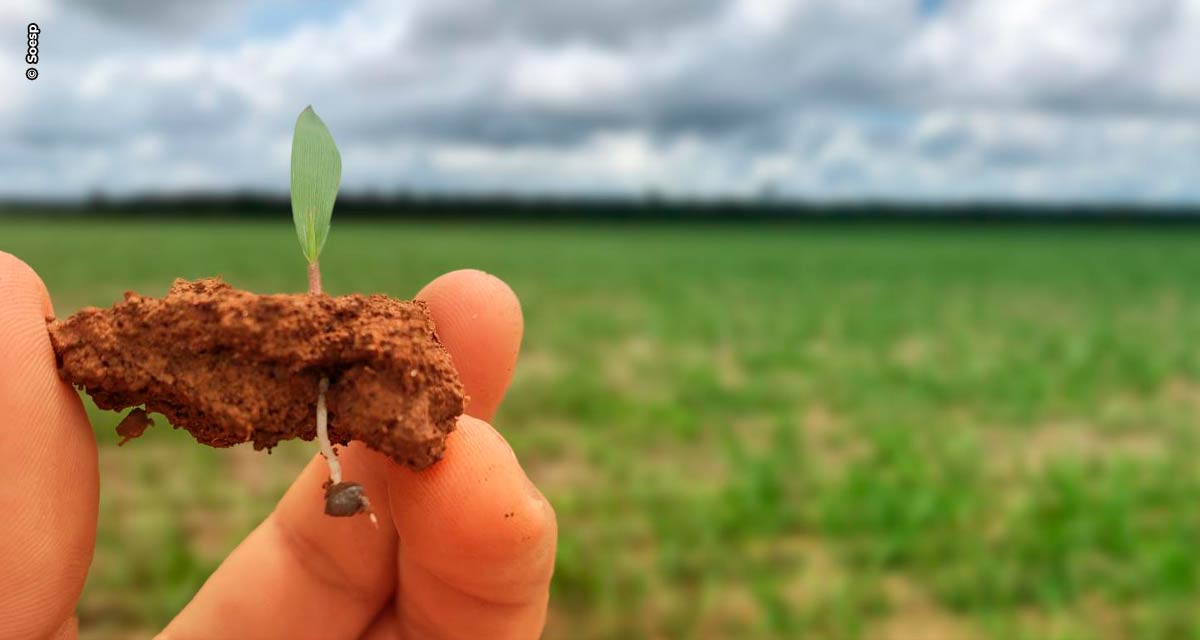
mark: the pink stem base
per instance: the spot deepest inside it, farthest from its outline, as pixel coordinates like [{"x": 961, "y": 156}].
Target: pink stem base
[{"x": 314, "y": 277}]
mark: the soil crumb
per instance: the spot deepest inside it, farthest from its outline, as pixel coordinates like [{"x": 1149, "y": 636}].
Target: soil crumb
[
  {"x": 133, "y": 425},
  {"x": 231, "y": 367}
]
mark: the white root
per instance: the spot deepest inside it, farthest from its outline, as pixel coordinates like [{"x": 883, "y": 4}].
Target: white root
[{"x": 335, "y": 467}]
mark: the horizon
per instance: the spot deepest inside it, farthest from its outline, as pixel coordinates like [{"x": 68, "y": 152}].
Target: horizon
[{"x": 418, "y": 205}]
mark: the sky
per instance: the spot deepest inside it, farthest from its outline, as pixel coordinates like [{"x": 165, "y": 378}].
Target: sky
[{"x": 923, "y": 100}]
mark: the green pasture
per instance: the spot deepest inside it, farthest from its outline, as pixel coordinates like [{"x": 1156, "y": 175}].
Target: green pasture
[{"x": 748, "y": 432}]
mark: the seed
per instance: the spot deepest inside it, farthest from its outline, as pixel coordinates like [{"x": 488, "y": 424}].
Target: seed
[{"x": 345, "y": 499}]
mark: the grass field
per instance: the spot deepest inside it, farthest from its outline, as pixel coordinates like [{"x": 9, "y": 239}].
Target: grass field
[{"x": 759, "y": 432}]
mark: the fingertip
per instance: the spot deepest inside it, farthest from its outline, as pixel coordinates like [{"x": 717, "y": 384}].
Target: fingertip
[
  {"x": 20, "y": 284},
  {"x": 25, "y": 351},
  {"x": 478, "y": 318},
  {"x": 478, "y": 282}
]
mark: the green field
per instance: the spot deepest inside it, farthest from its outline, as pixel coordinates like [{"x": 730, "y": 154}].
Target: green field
[{"x": 749, "y": 432}]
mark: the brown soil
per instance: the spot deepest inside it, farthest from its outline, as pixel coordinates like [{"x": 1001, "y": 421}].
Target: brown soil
[
  {"x": 133, "y": 425},
  {"x": 231, "y": 366}
]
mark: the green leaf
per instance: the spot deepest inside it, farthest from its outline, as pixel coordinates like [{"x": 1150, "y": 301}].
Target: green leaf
[{"x": 316, "y": 174}]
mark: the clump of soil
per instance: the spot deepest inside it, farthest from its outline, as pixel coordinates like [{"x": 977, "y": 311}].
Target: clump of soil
[
  {"x": 133, "y": 425},
  {"x": 231, "y": 366}
]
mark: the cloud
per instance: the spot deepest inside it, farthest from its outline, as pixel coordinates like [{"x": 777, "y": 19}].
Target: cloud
[
  {"x": 1064, "y": 56},
  {"x": 161, "y": 15},
  {"x": 616, "y": 22},
  {"x": 1039, "y": 99}
]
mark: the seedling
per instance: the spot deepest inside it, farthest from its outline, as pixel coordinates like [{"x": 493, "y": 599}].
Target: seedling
[
  {"x": 230, "y": 366},
  {"x": 316, "y": 174}
]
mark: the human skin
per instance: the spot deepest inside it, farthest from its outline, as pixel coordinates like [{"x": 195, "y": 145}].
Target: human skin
[{"x": 464, "y": 549}]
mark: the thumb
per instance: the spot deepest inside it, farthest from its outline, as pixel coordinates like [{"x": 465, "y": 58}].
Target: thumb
[
  {"x": 477, "y": 542},
  {"x": 49, "y": 488}
]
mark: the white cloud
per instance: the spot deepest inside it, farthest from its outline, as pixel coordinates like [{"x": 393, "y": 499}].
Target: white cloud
[
  {"x": 1048, "y": 99},
  {"x": 576, "y": 77}
]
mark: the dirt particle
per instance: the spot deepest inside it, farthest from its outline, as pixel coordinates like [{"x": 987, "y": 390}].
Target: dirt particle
[{"x": 133, "y": 425}]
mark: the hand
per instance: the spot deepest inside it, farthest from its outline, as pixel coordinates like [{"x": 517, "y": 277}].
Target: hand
[{"x": 464, "y": 549}]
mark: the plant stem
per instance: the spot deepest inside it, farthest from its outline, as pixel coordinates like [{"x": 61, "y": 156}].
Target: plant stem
[
  {"x": 314, "y": 277},
  {"x": 335, "y": 467}
]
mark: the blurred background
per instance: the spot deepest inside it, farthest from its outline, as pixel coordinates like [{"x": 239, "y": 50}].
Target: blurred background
[{"x": 843, "y": 319}]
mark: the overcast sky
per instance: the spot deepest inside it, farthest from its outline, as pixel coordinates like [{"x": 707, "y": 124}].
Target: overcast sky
[{"x": 919, "y": 99}]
